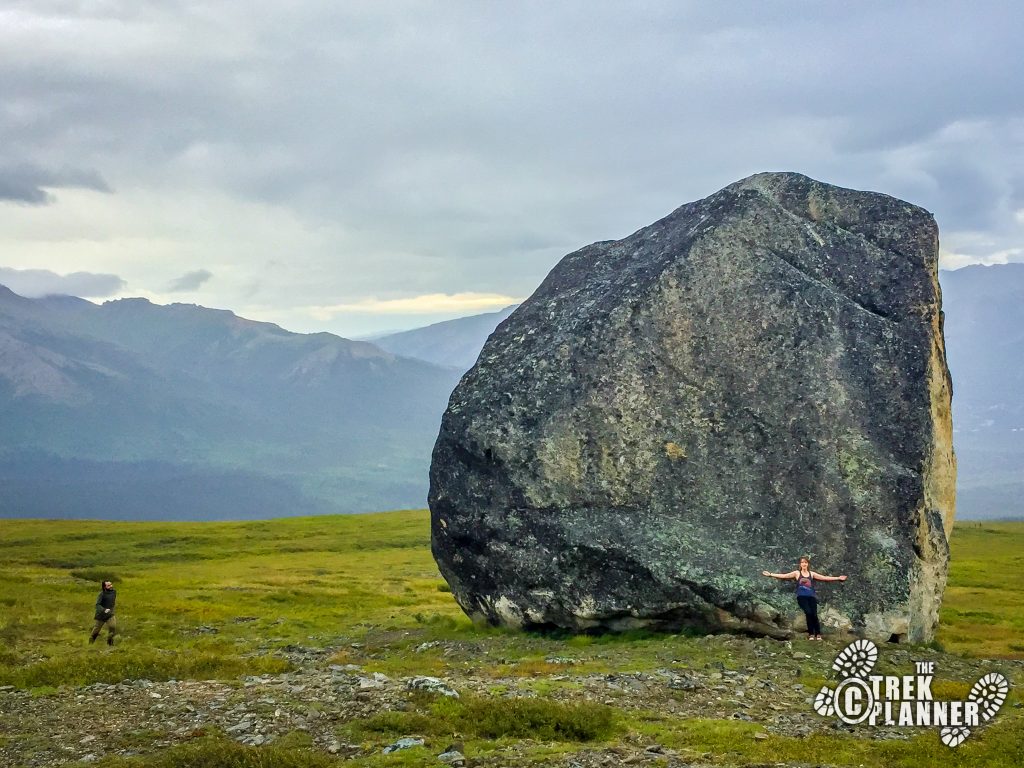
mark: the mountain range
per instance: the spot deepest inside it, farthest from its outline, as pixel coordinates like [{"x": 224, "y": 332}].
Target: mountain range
[
  {"x": 453, "y": 343},
  {"x": 984, "y": 330},
  {"x": 135, "y": 410}
]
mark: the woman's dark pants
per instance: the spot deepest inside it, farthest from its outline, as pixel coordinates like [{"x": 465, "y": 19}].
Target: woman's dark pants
[{"x": 809, "y": 605}]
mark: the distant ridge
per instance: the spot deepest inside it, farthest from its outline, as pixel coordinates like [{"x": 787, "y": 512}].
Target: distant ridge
[
  {"x": 452, "y": 343},
  {"x": 984, "y": 308},
  {"x": 143, "y": 393}
]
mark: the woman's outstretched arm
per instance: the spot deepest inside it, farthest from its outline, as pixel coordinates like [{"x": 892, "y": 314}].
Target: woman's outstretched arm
[
  {"x": 790, "y": 575},
  {"x": 823, "y": 577}
]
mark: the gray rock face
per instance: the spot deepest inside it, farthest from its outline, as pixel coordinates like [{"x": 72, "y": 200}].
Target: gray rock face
[{"x": 759, "y": 375}]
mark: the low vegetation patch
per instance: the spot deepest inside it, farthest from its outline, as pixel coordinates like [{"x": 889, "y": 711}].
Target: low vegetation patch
[
  {"x": 496, "y": 718},
  {"x": 106, "y": 667},
  {"x": 538, "y": 719},
  {"x": 292, "y": 751}
]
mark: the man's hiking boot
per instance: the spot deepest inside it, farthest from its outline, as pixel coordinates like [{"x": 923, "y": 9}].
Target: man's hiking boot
[
  {"x": 92, "y": 639},
  {"x": 110, "y": 641}
]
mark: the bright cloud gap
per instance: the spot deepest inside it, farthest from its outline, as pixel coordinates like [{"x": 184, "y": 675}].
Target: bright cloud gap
[{"x": 425, "y": 304}]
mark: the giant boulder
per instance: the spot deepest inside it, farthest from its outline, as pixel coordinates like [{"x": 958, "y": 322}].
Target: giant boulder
[{"x": 759, "y": 375}]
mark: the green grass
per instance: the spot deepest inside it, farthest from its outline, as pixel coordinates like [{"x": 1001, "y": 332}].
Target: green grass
[
  {"x": 80, "y": 669},
  {"x": 494, "y": 718},
  {"x": 367, "y": 586},
  {"x": 983, "y": 608},
  {"x": 292, "y": 751},
  {"x": 304, "y": 581}
]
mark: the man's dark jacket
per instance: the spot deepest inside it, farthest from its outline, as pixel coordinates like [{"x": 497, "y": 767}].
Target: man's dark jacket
[{"x": 106, "y": 599}]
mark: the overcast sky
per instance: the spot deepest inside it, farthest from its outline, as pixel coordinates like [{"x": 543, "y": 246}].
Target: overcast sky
[{"x": 363, "y": 166}]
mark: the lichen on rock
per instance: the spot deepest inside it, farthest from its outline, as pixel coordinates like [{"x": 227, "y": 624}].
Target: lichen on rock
[{"x": 759, "y": 375}]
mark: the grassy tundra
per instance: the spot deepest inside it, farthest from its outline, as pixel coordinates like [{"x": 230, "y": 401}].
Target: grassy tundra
[{"x": 219, "y": 601}]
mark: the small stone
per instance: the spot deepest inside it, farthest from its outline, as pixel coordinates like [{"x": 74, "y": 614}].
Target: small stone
[
  {"x": 406, "y": 742},
  {"x": 452, "y": 758},
  {"x": 760, "y": 735},
  {"x": 431, "y": 684},
  {"x": 241, "y": 727}
]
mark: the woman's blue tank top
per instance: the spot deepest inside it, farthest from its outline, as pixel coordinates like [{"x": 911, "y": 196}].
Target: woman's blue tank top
[{"x": 804, "y": 585}]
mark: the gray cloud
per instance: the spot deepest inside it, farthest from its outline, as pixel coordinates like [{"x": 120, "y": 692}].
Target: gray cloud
[
  {"x": 42, "y": 282},
  {"x": 26, "y": 184},
  {"x": 190, "y": 281},
  {"x": 402, "y": 149}
]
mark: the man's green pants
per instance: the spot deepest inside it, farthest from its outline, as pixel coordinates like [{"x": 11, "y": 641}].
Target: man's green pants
[{"x": 111, "y": 629}]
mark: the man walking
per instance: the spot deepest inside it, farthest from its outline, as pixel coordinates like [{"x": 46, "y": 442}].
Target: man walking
[{"x": 105, "y": 613}]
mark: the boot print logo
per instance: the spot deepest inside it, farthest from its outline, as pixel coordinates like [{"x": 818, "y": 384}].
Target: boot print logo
[{"x": 905, "y": 700}]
